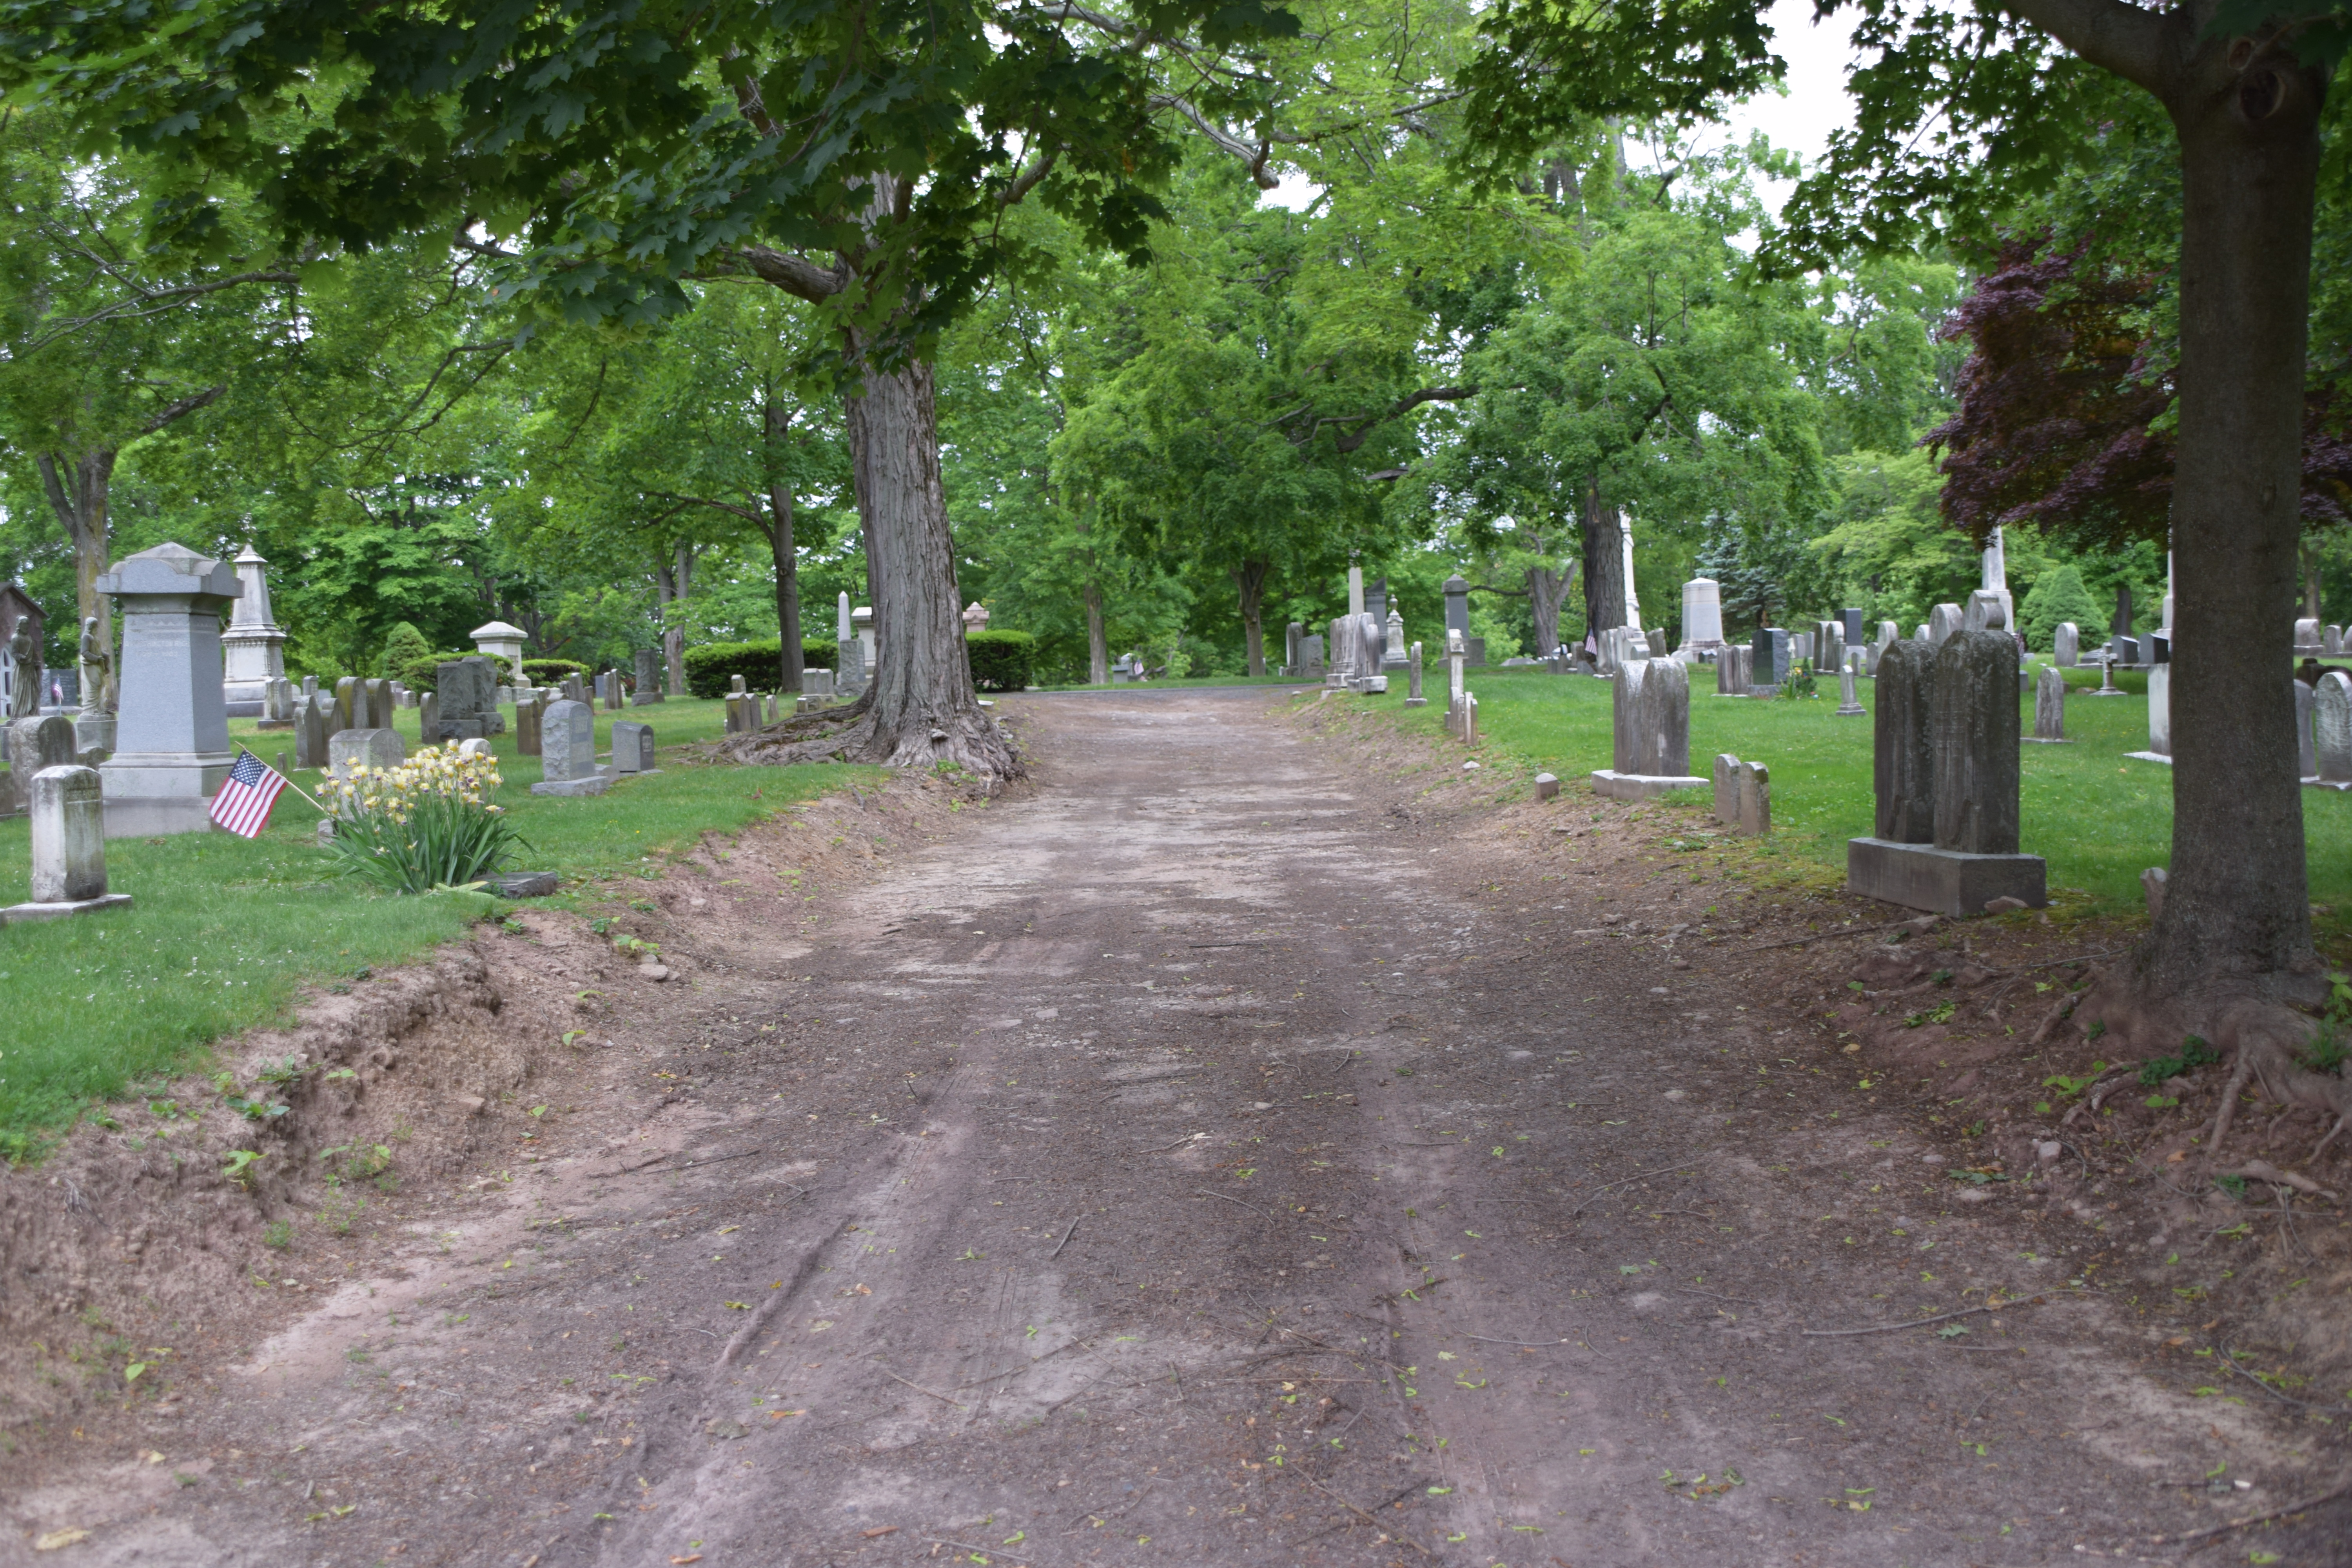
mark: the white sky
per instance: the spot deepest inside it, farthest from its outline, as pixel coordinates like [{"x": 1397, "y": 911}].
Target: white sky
[{"x": 1800, "y": 121}]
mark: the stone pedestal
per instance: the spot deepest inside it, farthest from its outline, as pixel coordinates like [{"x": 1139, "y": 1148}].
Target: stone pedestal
[
  {"x": 1651, "y": 731},
  {"x": 497, "y": 639},
  {"x": 171, "y": 735},
  {"x": 1946, "y": 881},
  {"x": 568, "y": 752},
  {"x": 468, "y": 705},
  {"x": 253, "y": 649},
  {"x": 69, "y": 848},
  {"x": 1849, "y": 704}
]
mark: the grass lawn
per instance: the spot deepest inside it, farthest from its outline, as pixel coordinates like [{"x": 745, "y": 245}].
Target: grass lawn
[
  {"x": 223, "y": 929},
  {"x": 2099, "y": 817}
]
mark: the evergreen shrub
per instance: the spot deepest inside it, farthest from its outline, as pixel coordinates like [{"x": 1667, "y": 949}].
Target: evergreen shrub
[
  {"x": 710, "y": 668},
  {"x": 1000, "y": 661},
  {"x": 2059, "y": 596},
  {"x": 551, "y": 671}
]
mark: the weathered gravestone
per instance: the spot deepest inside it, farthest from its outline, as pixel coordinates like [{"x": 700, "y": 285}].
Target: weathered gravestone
[
  {"x": 1311, "y": 657},
  {"x": 2069, "y": 649},
  {"x": 375, "y": 750},
  {"x": 32, "y": 745},
  {"x": 1888, "y": 635},
  {"x": 1943, "y": 621},
  {"x": 633, "y": 747},
  {"x": 347, "y": 700},
  {"x": 1849, "y": 704},
  {"x": 1945, "y": 776},
  {"x": 2306, "y": 758},
  {"x": 428, "y": 718},
  {"x": 1651, "y": 722},
  {"x": 310, "y": 712},
  {"x": 1413, "y": 697},
  {"x": 1733, "y": 662},
  {"x": 649, "y": 688},
  {"x": 2331, "y": 643},
  {"x": 470, "y": 699},
  {"x": 1755, "y": 799},
  {"x": 2307, "y": 640},
  {"x": 567, "y": 752},
  {"x": 531, "y": 711},
  {"x": 68, "y": 843},
  {"x": 2125, "y": 650},
  {"x": 2159, "y": 713},
  {"x": 2049, "y": 707},
  {"x": 1291, "y": 634},
  {"x": 2331, "y": 730},
  {"x": 1801, "y": 647},
  {"x": 816, "y": 683},
  {"x": 1726, "y": 788},
  {"x": 172, "y": 750},
  {"x": 1987, "y": 611},
  {"x": 379, "y": 705}
]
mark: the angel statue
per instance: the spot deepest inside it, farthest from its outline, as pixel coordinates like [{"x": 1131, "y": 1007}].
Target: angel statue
[{"x": 97, "y": 692}]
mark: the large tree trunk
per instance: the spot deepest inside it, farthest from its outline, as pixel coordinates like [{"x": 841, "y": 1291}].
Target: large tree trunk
[
  {"x": 79, "y": 497},
  {"x": 1604, "y": 565},
  {"x": 1250, "y": 578},
  {"x": 672, "y": 583},
  {"x": 2236, "y": 912},
  {"x": 920, "y": 706},
  {"x": 2311, "y": 581}
]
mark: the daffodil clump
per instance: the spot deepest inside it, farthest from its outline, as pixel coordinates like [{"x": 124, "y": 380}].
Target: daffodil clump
[{"x": 425, "y": 824}]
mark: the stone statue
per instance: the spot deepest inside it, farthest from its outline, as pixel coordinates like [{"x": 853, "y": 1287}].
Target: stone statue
[
  {"x": 97, "y": 691},
  {"x": 25, "y": 693}
]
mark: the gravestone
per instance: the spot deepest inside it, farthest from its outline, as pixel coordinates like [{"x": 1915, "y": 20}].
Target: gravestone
[
  {"x": 575, "y": 689},
  {"x": 1771, "y": 654},
  {"x": 1314, "y": 661},
  {"x": 172, "y": 750},
  {"x": 31, "y": 745},
  {"x": 2159, "y": 648},
  {"x": 253, "y": 647},
  {"x": 1849, "y": 704},
  {"x": 1726, "y": 788},
  {"x": 278, "y": 704},
  {"x": 531, "y": 713},
  {"x": 1801, "y": 647},
  {"x": 1947, "y": 752},
  {"x": 2125, "y": 650},
  {"x": 1887, "y": 634},
  {"x": 649, "y": 688},
  {"x": 69, "y": 809},
  {"x": 2159, "y": 713},
  {"x": 2331, "y": 730},
  {"x": 567, "y": 752},
  {"x": 735, "y": 687},
  {"x": 350, "y": 711},
  {"x": 1702, "y": 615},
  {"x": 1547, "y": 786},
  {"x": 310, "y": 712},
  {"x": 633, "y": 747},
  {"x": 1755, "y": 799},
  {"x": 1292, "y": 635},
  {"x": 428, "y": 718},
  {"x": 1943, "y": 621},
  {"x": 1413, "y": 697},
  {"x": 1656, "y": 639},
  {"x": 1457, "y": 694},
  {"x": 1474, "y": 651},
  {"x": 470, "y": 699},
  {"x": 1651, "y": 732},
  {"x": 2068, "y": 652},
  {"x": 2307, "y": 640},
  {"x": 1457, "y": 607},
  {"x": 1851, "y": 620},
  {"x": 2049, "y": 707},
  {"x": 1903, "y": 777},
  {"x": 2307, "y": 759},
  {"x": 1921, "y": 635},
  {"x": 1732, "y": 667},
  {"x": 375, "y": 750},
  {"x": 379, "y": 705},
  {"x": 1392, "y": 651},
  {"x": 2331, "y": 643},
  {"x": 1987, "y": 611}
]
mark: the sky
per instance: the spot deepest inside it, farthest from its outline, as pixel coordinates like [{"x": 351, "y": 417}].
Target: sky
[{"x": 1800, "y": 121}]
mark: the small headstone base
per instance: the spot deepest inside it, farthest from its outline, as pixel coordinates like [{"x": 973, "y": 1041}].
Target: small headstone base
[
  {"x": 17, "y": 914},
  {"x": 1944, "y": 882},
  {"x": 1416, "y": 701},
  {"x": 522, "y": 884},
  {"x": 1615, "y": 786},
  {"x": 597, "y": 785},
  {"x": 2147, "y": 756},
  {"x": 150, "y": 816}
]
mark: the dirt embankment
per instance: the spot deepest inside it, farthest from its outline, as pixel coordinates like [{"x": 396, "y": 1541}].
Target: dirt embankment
[{"x": 170, "y": 1231}]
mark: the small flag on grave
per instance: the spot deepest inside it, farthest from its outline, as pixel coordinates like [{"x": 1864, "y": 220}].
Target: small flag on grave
[{"x": 246, "y": 797}]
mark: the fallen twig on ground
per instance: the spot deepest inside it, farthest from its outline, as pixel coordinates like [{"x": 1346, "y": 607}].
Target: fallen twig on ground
[
  {"x": 1820, "y": 936},
  {"x": 1165, "y": 1147},
  {"x": 2339, "y": 1490},
  {"x": 1921, "y": 1322},
  {"x": 1523, "y": 1345},
  {"x": 1206, "y": 1192},
  {"x": 917, "y": 1388},
  {"x": 985, "y": 1552},
  {"x": 690, "y": 1165},
  {"x": 1366, "y": 1514},
  {"x": 1063, "y": 1242},
  {"x": 1670, "y": 1171},
  {"x": 1743, "y": 1301}
]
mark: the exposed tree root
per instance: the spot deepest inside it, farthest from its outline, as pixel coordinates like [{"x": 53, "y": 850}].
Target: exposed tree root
[
  {"x": 2260, "y": 1035},
  {"x": 969, "y": 739}
]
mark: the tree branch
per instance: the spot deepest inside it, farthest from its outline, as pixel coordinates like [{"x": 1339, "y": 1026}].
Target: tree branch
[
  {"x": 2112, "y": 35},
  {"x": 186, "y": 406},
  {"x": 795, "y": 274}
]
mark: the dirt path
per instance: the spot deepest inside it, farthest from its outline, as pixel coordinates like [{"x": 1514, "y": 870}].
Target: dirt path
[{"x": 1206, "y": 1158}]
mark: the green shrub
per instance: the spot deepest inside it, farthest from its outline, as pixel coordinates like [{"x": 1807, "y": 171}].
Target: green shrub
[
  {"x": 2060, "y": 596},
  {"x": 1000, "y": 661},
  {"x": 551, "y": 671},
  {"x": 424, "y": 673},
  {"x": 403, "y": 648},
  {"x": 710, "y": 668}
]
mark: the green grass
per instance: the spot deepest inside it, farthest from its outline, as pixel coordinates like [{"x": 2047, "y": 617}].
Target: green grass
[
  {"x": 2099, "y": 817},
  {"x": 223, "y": 930}
]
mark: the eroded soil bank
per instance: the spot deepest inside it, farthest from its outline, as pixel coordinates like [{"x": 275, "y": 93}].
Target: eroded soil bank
[{"x": 1237, "y": 1147}]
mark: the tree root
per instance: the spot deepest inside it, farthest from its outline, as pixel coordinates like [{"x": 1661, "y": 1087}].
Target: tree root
[{"x": 967, "y": 739}]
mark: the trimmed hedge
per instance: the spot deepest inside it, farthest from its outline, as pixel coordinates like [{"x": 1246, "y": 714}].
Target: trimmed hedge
[
  {"x": 551, "y": 671},
  {"x": 1000, "y": 661},
  {"x": 710, "y": 668}
]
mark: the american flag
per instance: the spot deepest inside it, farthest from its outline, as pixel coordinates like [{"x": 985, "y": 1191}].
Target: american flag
[{"x": 246, "y": 797}]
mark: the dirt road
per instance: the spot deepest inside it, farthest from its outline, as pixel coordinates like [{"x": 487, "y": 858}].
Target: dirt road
[{"x": 1213, "y": 1155}]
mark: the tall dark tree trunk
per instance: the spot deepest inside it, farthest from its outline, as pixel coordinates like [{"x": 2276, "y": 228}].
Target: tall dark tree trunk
[
  {"x": 2125, "y": 614},
  {"x": 1604, "y": 564},
  {"x": 921, "y": 708},
  {"x": 1250, "y": 578},
  {"x": 1548, "y": 591},
  {"x": 1097, "y": 628},
  {"x": 672, "y": 584},
  {"x": 2311, "y": 582},
  {"x": 2236, "y": 908}
]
